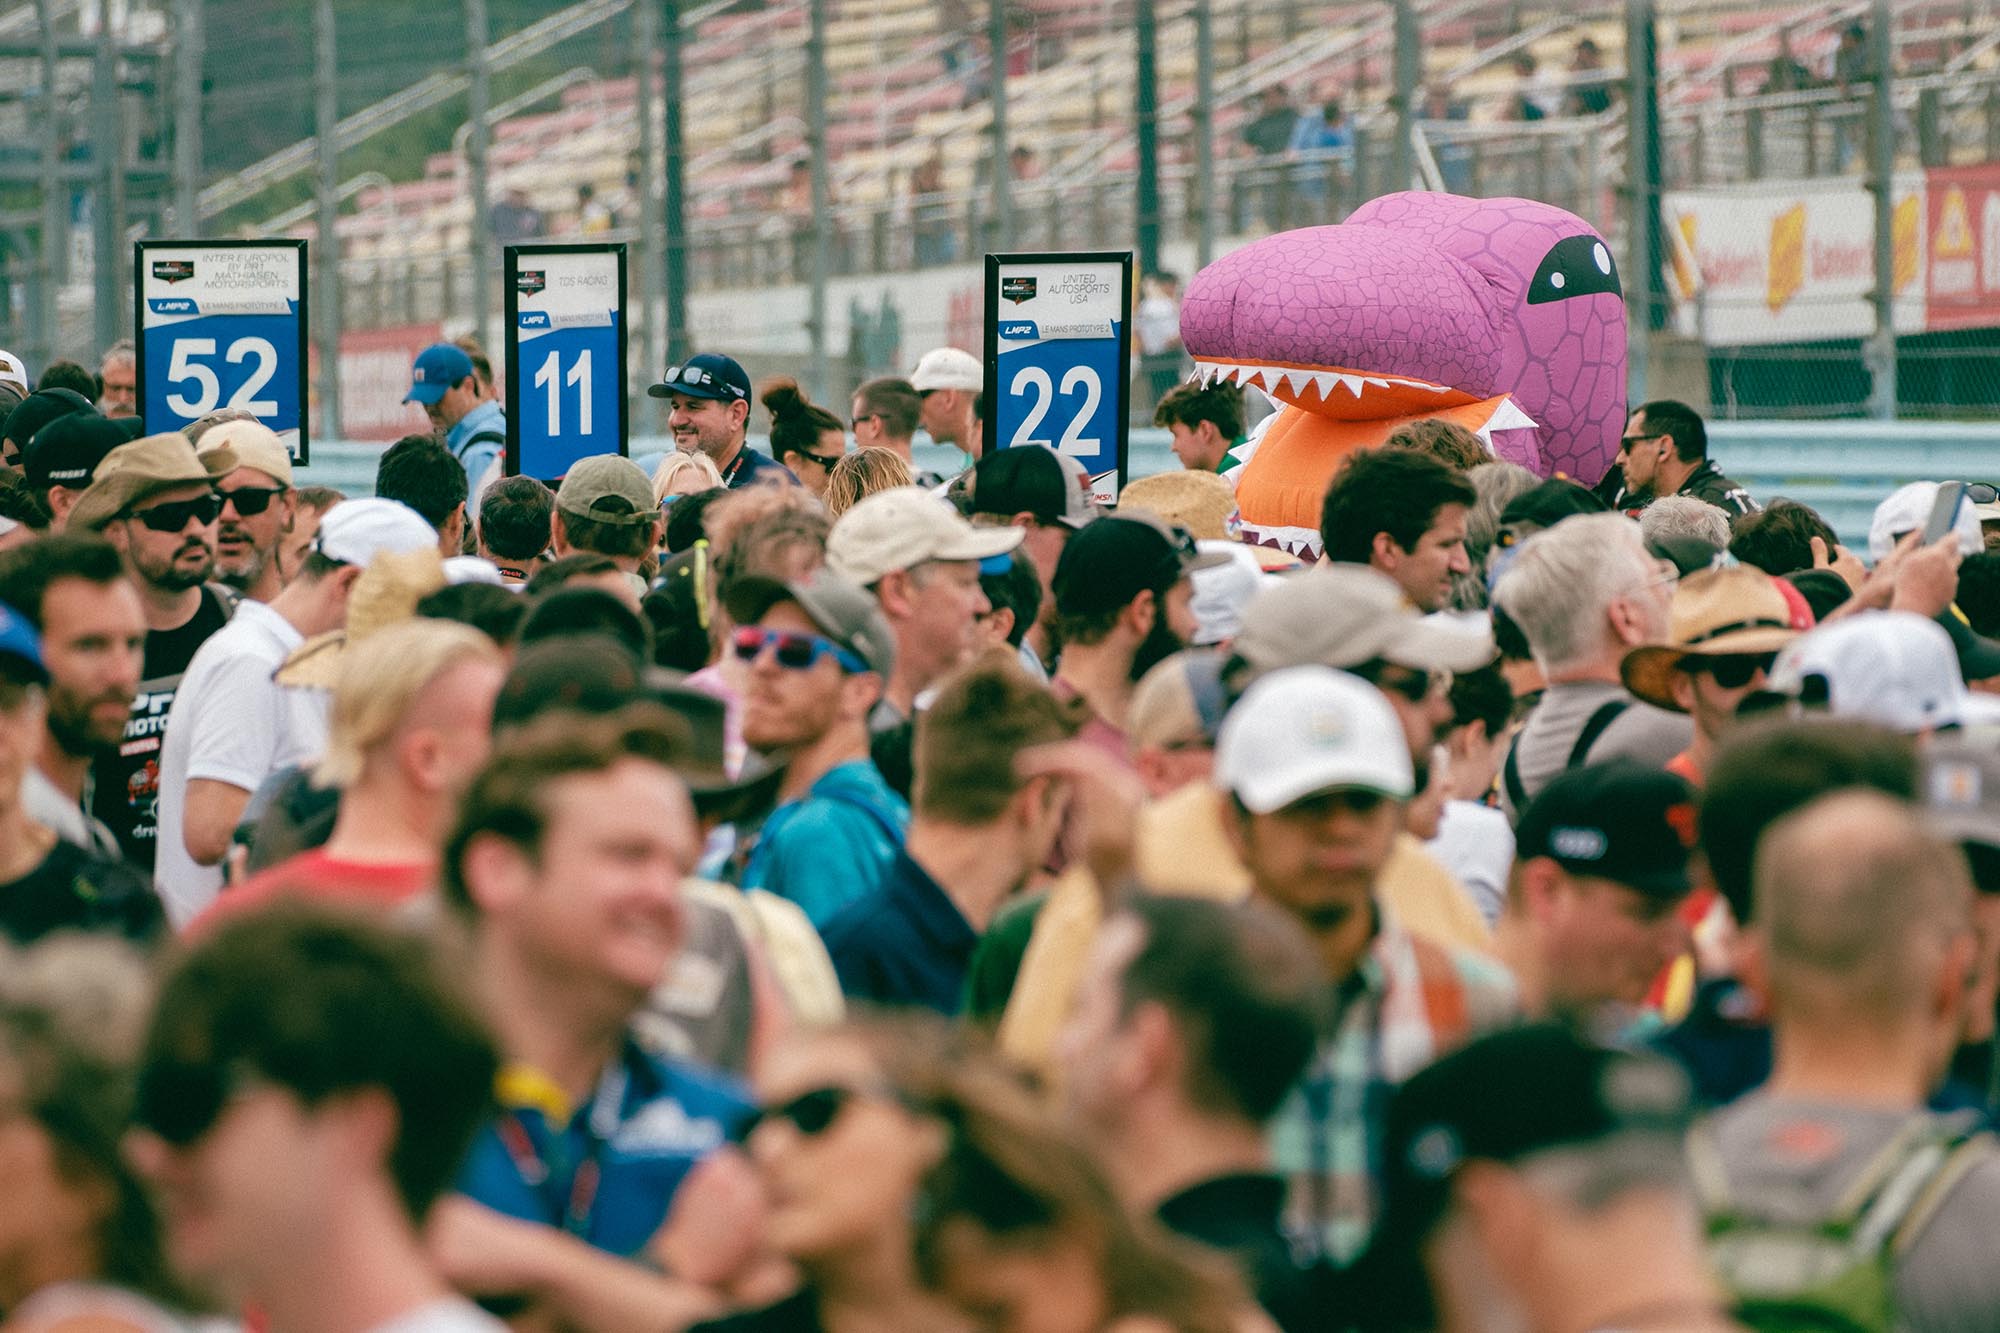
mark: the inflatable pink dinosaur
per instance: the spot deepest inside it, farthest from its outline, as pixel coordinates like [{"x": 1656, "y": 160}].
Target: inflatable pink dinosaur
[{"x": 1504, "y": 315}]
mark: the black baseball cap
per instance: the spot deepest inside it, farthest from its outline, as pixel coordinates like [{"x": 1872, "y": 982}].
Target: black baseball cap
[
  {"x": 67, "y": 450},
  {"x": 709, "y": 375},
  {"x": 1502, "y": 1098},
  {"x": 1549, "y": 503},
  {"x": 1032, "y": 479},
  {"x": 1111, "y": 561},
  {"x": 38, "y": 409},
  {"x": 1620, "y": 821}
]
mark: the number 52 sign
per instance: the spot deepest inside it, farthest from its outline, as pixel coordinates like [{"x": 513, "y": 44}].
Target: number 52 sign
[
  {"x": 565, "y": 356},
  {"x": 222, "y": 324},
  {"x": 1058, "y": 358}
]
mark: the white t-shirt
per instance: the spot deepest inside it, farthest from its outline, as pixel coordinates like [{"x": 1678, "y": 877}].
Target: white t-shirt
[
  {"x": 447, "y": 1314},
  {"x": 1476, "y": 844},
  {"x": 231, "y": 722}
]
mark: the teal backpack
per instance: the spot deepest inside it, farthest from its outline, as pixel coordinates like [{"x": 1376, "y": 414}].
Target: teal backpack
[{"x": 1835, "y": 1273}]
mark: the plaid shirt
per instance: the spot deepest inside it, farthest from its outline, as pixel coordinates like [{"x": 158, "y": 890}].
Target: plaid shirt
[{"x": 1409, "y": 1002}]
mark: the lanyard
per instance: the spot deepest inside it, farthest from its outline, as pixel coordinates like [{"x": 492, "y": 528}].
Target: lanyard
[{"x": 600, "y": 1123}]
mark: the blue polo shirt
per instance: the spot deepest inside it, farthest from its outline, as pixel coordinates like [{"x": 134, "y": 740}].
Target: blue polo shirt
[
  {"x": 907, "y": 945},
  {"x": 485, "y": 419},
  {"x": 749, "y": 468},
  {"x": 605, "y": 1172}
]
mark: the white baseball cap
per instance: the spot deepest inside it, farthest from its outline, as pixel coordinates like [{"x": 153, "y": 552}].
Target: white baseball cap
[
  {"x": 1908, "y": 509},
  {"x": 1311, "y": 729},
  {"x": 473, "y": 569},
  {"x": 12, "y": 372},
  {"x": 1222, "y": 591},
  {"x": 948, "y": 368},
  {"x": 354, "y": 532},
  {"x": 905, "y": 526},
  {"x": 1894, "y": 668}
]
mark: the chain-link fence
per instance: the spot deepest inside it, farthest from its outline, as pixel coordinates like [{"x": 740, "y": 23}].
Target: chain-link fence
[{"x": 810, "y": 183}]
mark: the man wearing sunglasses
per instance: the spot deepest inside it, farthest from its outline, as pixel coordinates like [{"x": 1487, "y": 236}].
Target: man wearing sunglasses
[
  {"x": 257, "y": 508},
  {"x": 814, "y": 657},
  {"x": 1664, "y": 451},
  {"x": 708, "y": 401},
  {"x": 1726, "y": 628},
  {"x": 308, "y": 1086},
  {"x": 154, "y": 500}
]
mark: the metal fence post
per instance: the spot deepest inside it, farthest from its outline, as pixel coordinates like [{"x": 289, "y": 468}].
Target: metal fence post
[
  {"x": 1146, "y": 106},
  {"x": 475, "y": 165},
  {"x": 189, "y": 53},
  {"x": 822, "y": 224},
  {"x": 646, "y": 37},
  {"x": 1204, "y": 132},
  {"x": 326, "y": 117},
  {"x": 1642, "y": 168},
  {"x": 674, "y": 206},
  {"x": 52, "y": 249},
  {"x": 1882, "y": 174},
  {"x": 1003, "y": 201},
  {"x": 108, "y": 208},
  {"x": 1408, "y": 66}
]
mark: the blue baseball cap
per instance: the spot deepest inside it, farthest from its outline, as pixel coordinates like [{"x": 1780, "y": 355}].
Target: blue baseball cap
[
  {"x": 439, "y": 366},
  {"x": 20, "y": 648},
  {"x": 709, "y": 375}
]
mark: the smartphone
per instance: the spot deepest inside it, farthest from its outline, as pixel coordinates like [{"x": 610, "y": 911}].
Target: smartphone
[{"x": 1944, "y": 512}]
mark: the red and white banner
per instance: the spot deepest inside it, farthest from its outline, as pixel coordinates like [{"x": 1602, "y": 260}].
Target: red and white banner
[
  {"x": 1962, "y": 279},
  {"x": 375, "y": 367}
]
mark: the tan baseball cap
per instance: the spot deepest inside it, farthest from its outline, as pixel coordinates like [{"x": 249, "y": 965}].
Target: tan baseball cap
[
  {"x": 254, "y": 444},
  {"x": 903, "y": 527},
  {"x": 133, "y": 472},
  {"x": 608, "y": 488},
  {"x": 1343, "y": 615}
]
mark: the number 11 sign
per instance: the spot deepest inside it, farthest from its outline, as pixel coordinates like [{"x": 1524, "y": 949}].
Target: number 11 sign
[
  {"x": 565, "y": 356},
  {"x": 1058, "y": 358}
]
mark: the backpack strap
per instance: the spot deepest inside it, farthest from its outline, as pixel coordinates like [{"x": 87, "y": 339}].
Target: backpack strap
[
  {"x": 1598, "y": 723},
  {"x": 1510, "y": 773},
  {"x": 1967, "y": 1154},
  {"x": 1709, "y": 1177},
  {"x": 482, "y": 437}
]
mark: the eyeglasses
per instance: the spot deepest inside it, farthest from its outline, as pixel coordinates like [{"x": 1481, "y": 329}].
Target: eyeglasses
[
  {"x": 1416, "y": 686},
  {"x": 174, "y": 514},
  {"x": 866, "y": 416},
  {"x": 181, "y": 1101},
  {"x": 1732, "y": 671},
  {"x": 826, "y": 461},
  {"x": 1627, "y": 441},
  {"x": 794, "y": 651},
  {"x": 250, "y": 501},
  {"x": 811, "y": 1113},
  {"x": 1981, "y": 493}
]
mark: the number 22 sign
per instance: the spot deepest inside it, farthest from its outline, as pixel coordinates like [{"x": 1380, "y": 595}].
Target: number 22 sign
[
  {"x": 565, "y": 356},
  {"x": 222, "y": 324},
  {"x": 1058, "y": 357}
]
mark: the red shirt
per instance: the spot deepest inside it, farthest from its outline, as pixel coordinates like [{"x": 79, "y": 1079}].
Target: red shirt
[{"x": 318, "y": 877}]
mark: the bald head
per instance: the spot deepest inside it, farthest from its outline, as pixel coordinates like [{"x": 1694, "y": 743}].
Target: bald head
[{"x": 1859, "y": 907}]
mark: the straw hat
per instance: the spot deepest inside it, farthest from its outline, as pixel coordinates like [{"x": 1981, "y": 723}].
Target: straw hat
[{"x": 1716, "y": 613}]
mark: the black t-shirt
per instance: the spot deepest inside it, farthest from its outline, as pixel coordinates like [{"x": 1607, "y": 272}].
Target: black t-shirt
[
  {"x": 797, "y": 1313},
  {"x": 1241, "y": 1215},
  {"x": 127, "y": 782},
  {"x": 74, "y": 890}
]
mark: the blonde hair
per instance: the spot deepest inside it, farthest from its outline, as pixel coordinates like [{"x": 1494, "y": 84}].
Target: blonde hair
[
  {"x": 379, "y": 678},
  {"x": 676, "y": 466},
  {"x": 861, "y": 474}
]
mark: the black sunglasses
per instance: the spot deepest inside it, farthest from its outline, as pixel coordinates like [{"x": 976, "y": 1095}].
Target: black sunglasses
[
  {"x": 1732, "y": 671},
  {"x": 824, "y": 460},
  {"x": 181, "y": 1101},
  {"x": 865, "y": 416},
  {"x": 174, "y": 514},
  {"x": 1981, "y": 493},
  {"x": 811, "y": 1113},
  {"x": 251, "y": 501}
]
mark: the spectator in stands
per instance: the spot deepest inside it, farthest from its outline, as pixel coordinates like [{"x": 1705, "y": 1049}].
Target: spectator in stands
[
  {"x": 605, "y": 507},
  {"x": 1785, "y": 74},
  {"x": 514, "y": 219},
  {"x": 257, "y": 509},
  {"x": 979, "y": 830},
  {"x": 1664, "y": 451},
  {"x": 419, "y": 472},
  {"x": 515, "y": 517},
  {"x": 1403, "y": 513},
  {"x": 233, "y": 726},
  {"x": 474, "y": 427},
  {"x": 921, "y": 561},
  {"x": 1269, "y": 133},
  {"x": 681, "y": 474},
  {"x": 1534, "y": 96},
  {"x": 935, "y": 237},
  {"x": 73, "y": 591},
  {"x": 708, "y": 398},
  {"x": 1205, "y": 422},
  {"x": 1590, "y": 89},
  {"x": 1172, "y": 1103},
  {"x": 300, "y": 1057},
  {"x": 805, "y": 437},
  {"x": 118, "y": 380},
  {"x": 593, "y": 217},
  {"x": 1779, "y": 539},
  {"x": 69, "y": 375},
  {"x": 947, "y": 382},
  {"x": 1322, "y": 144},
  {"x": 1585, "y": 592},
  {"x": 1157, "y": 327},
  {"x": 862, "y": 473},
  {"x": 817, "y": 655},
  {"x": 886, "y": 412}
]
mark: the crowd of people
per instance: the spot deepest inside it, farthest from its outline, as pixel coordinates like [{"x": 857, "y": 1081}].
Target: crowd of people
[{"x": 788, "y": 891}]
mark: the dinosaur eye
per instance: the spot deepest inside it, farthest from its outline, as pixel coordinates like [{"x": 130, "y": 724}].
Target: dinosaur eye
[{"x": 1574, "y": 266}]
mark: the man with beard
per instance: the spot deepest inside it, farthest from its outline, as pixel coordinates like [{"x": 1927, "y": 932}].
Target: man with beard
[
  {"x": 72, "y": 589},
  {"x": 155, "y": 501},
  {"x": 1122, "y": 603},
  {"x": 708, "y": 401},
  {"x": 978, "y": 830},
  {"x": 257, "y": 508}
]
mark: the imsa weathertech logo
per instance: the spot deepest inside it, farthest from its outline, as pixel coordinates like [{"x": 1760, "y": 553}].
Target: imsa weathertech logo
[
  {"x": 173, "y": 270},
  {"x": 1017, "y": 290},
  {"x": 530, "y": 281}
]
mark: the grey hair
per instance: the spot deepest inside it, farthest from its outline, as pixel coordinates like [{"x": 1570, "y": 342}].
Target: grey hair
[
  {"x": 1496, "y": 483},
  {"x": 1685, "y": 516},
  {"x": 1563, "y": 583}
]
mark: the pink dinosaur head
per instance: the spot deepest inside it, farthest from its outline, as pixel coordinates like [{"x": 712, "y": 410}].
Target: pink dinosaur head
[{"x": 1464, "y": 298}]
